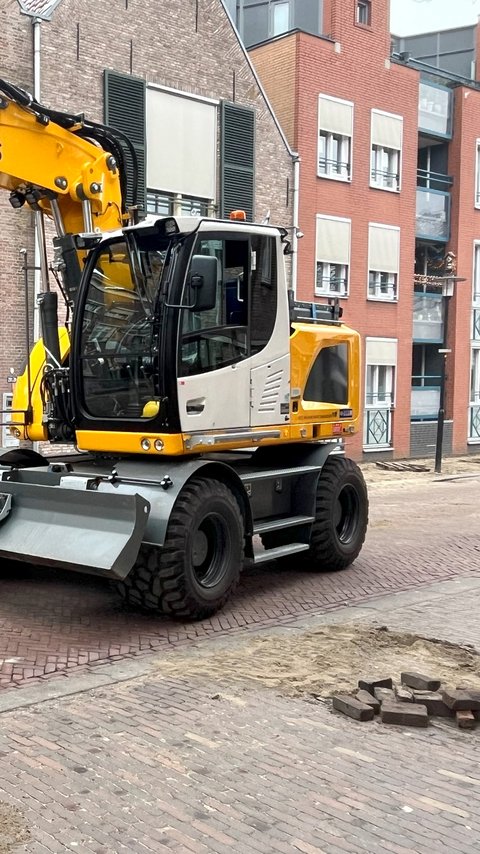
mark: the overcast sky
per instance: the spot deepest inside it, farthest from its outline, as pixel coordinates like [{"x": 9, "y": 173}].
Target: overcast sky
[{"x": 423, "y": 16}]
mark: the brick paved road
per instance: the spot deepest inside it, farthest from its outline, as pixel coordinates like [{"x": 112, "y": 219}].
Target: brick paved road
[
  {"x": 52, "y": 623},
  {"x": 154, "y": 765}
]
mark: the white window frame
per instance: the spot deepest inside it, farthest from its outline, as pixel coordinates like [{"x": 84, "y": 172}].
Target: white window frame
[
  {"x": 344, "y": 156},
  {"x": 273, "y": 7},
  {"x": 392, "y": 285},
  {"x": 380, "y": 185},
  {"x": 393, "y": 156},
  {"x": 344, "y": 270},
  {"x": 376, "y": 402},
  {"x": 474, "y": 391},
  {"x": 346, "y": 145},
  {"x": 378, "y": 296},
  {"x": 474, "y": 384},
  {"x": 318, "y": 291},
  {"x": 476, "y": 200},
  {"x": 364, "y": 4}
]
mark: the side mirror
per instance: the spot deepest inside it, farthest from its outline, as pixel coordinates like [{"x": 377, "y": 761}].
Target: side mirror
[{"x": 202, "y": 283}]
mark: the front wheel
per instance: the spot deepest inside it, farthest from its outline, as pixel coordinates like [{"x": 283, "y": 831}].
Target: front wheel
[
  {"x": 341, "y": 516},
  {"x": 199, "y": 565}
]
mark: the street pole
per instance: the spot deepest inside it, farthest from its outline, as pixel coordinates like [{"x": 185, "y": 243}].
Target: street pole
[{"x": 443, "y": 378}]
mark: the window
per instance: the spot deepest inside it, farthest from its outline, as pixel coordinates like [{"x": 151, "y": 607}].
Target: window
[
  {"x": 328, "y": 379},
  {"x": 335, "y": 129},
  {"x": 381, "y": 362},
  {"x": 385, "y": 167},
  {"x": 334, "y": 155},
  {"x": 118, "y": 332},
  {"x": 168, "y": 204},
  {"x": 474, "y": 422},
  {"x": 331, "y": 278},
  {"x": 246, "y": 288},
  {"x": 474, "y": 427},
  {"x": 382, "y": 285},
  {"x": 280, "y": 17},
  {"x": 364, "y": 12},
  {"x": 383, "y": 261},
  {"x": 477, "y": 174},
  {"x": 333, "y": 256},
  {"x": 386, "y": 150}
]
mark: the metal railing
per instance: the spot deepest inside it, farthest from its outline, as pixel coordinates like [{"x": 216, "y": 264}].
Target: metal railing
[
  {"x": 428, "y": 179},
  {"x": 378, "y": 427},
  {"x": 474, "y": 420},
  {"x": 328, "y": 166},
  {"x": 385, "y": 178}
]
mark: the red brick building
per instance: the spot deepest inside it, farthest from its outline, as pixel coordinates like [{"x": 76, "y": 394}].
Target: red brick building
[{"x": 389, "y": 170}]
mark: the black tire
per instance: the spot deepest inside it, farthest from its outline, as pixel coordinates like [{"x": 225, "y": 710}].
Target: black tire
[
  {"x": 199, "y": 566},
  {"x": 341, "y": 519}
]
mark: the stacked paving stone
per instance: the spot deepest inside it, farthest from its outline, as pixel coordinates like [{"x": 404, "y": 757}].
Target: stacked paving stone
[{"x": 411, "y": 702}]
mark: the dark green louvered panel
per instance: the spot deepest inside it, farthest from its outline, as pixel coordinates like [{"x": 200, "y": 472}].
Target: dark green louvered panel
[
  {"x": 125, "y": 108},
  {"x": 237, "y": 160}
]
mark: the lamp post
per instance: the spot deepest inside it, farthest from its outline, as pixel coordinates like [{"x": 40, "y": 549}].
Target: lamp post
[{"x": 448, "y": 286}]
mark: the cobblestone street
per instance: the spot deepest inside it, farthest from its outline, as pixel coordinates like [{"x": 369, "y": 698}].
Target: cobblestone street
[
  {"x": 125, "y": 758},
  {"x": 421, "y": 530}
]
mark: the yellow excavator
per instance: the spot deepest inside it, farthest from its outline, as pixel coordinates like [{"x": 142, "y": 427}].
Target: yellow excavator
[{"x": 207, "y": 407}]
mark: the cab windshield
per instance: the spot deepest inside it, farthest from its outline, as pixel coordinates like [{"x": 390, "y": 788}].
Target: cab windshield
[{"x": 119, "y": 338}]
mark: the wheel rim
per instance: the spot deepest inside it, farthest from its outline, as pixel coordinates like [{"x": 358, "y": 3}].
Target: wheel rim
[
  {"x": 210, "y": 551},
  {"x": 346, "y": 514}
]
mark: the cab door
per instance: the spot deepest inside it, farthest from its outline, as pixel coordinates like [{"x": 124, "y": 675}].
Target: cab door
[{"x": 214, "y": 347}]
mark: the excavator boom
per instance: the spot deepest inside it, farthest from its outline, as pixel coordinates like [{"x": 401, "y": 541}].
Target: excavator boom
[{"x": 56, "y": 167}]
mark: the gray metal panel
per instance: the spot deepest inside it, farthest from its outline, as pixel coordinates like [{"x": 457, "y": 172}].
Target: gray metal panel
[{"x": 72, "y": 528}]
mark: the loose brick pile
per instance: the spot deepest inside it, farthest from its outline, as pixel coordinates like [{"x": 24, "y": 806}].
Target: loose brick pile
[{"x": 410, "y": 702}]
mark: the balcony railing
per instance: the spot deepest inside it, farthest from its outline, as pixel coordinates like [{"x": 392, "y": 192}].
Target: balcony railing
[
  {"x": 433, "y": 180},
  {"x": 474, "y": 431},
  {"x": 378, "y": 427},
  {"x": 433, "y": 215},
  {"x": 425, "y": 398},
  {"x": 428, "y": 318},
  {"x": 435, "y": 110},
  {"x": 476, "y": 324}
]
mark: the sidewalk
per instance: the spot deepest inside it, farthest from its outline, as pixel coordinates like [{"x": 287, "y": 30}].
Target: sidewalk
[{"x": 156, "y": 763}]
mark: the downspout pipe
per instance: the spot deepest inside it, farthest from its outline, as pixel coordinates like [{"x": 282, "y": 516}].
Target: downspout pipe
[{"x": 296, "y": 203}]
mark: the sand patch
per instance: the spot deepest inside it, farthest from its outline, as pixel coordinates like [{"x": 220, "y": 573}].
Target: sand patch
[{"x": 328, "y": 659}]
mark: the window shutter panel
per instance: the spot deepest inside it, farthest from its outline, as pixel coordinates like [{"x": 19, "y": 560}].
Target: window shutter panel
[
  {"x": 124, "y": 99},
  {"x": 383, "y": 248},
  {"x": 333, "y": 240},
  {"x": 237, "y": 160},
  {"x": 387, "y": 131}
]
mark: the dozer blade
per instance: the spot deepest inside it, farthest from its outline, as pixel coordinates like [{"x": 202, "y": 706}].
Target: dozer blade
[{"x": 81, "y": 530}]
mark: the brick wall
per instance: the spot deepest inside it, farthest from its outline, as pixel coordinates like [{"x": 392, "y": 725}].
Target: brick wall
[
  {"x": 465, "y": 228},
  {"x": 355, "y": 66},
  {"x": 188, "y": 46}
]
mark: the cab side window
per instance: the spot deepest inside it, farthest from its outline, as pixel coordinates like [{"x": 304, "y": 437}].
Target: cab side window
[{"x": 243, "y": 318}]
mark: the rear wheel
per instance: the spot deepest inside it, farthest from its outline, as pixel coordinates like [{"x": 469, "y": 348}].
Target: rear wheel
[
  {"x": 341, "y": 519},
  {"x": 199, "y": 565},
  {"x": 341, "y": 516}
]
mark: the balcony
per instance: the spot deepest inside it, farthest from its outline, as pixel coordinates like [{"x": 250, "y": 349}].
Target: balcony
[
  {"x": 435, "y": 110},
  {"x": 428, "y": 318},
  {"x": 425, "y": 398},
  {"x": 433, "y": 215}
]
